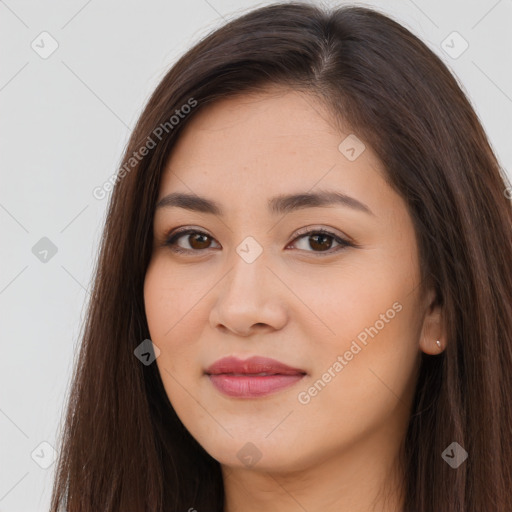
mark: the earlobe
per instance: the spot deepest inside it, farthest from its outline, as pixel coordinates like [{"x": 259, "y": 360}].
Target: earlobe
[
  {"x": 432, "y": 337},
  {"x": 432, "y": 346},
  {"x": 439, "y": 347},
  {"x": 431, "y": 343}
]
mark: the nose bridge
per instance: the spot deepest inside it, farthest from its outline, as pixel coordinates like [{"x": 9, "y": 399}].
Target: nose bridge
[
  {"x": 248, "y": 270},
  {"x": 246, "y": 296}
]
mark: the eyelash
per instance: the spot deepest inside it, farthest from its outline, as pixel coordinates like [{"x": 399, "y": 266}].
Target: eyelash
[{"x": 343, "y": 244}]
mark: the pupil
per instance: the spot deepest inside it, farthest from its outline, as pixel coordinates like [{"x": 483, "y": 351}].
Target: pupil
[
  {"x": 196, "y": 239},
  {"x": 321, "y": 237}
]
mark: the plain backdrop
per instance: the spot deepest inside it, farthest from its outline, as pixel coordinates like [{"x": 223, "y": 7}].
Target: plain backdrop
[{"x": 73, "y": 80}]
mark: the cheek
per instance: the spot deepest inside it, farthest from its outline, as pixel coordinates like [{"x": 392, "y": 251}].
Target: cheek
[
  {"x": 169, "y": 298},
  {"x": 171, "y": 316},
  {"x": 367, "y": 367},
  {"x": 370, "y": 392},
  {"x": 374, "y": 365},
  {"x": 171, "y": 327},
  {"x": 356, "y": 301}
]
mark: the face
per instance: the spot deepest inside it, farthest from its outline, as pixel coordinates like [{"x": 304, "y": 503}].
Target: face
[{"x": 330, "y": 289}]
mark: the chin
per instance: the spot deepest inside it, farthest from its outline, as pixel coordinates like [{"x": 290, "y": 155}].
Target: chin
[{"x": 259, "y": 454}]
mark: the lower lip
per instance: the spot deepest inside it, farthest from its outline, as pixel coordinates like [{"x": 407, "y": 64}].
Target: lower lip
[{"x": 252, "y": 386}]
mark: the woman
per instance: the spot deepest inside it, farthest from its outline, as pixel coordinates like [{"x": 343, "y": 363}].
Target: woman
[{"x": 303, "y": 299}]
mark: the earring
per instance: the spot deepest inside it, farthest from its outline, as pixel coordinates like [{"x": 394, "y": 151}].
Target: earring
[{"x": 438, "y": 343}]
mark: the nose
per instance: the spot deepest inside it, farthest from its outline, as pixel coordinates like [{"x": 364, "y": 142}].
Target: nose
[{"x": 249, "y": 299}]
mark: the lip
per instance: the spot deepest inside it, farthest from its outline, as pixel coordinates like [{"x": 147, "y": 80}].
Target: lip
[{"x": 242, "y": 378}]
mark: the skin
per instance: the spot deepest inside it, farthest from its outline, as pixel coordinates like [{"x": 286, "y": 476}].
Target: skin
[{"x": 300, "y": 303}]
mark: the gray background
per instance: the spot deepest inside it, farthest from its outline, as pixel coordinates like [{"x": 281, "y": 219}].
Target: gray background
[{"x": 65, "y": 121}]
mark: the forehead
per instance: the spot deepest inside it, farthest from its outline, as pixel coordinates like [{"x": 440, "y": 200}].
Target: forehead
[
  {"x": 259, "y": 130},
  {"x": 280, "y": 121}
]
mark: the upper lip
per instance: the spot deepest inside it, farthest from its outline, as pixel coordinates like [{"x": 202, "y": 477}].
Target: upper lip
[{"x": 251, "y": 366}]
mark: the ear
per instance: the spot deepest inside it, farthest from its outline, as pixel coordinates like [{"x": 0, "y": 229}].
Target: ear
[{"x": 433, "y": 327}]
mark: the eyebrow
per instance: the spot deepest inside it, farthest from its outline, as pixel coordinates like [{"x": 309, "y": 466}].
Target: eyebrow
[{"x": 278, "y": 205}]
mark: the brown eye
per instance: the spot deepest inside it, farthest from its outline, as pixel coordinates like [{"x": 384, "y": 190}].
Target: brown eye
[
  {"x": 198, "y": 241},
  {"x": 194, "y": 241},
  {"x": 321, "y": 241}
]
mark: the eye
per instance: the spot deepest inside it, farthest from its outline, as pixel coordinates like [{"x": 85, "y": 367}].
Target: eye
[
  {"x": 196, "y": 241},
  {"x": 321, "y": 241}
]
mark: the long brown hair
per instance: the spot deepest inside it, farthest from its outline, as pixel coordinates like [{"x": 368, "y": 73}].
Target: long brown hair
[{"x": 123, "y": 446}]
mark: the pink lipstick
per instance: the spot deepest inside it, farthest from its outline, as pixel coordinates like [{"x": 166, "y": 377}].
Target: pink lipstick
[{"x": 253, "y": 377}]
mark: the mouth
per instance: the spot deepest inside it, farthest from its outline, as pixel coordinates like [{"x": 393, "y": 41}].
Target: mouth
[{"x": 253, "y": 377}]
